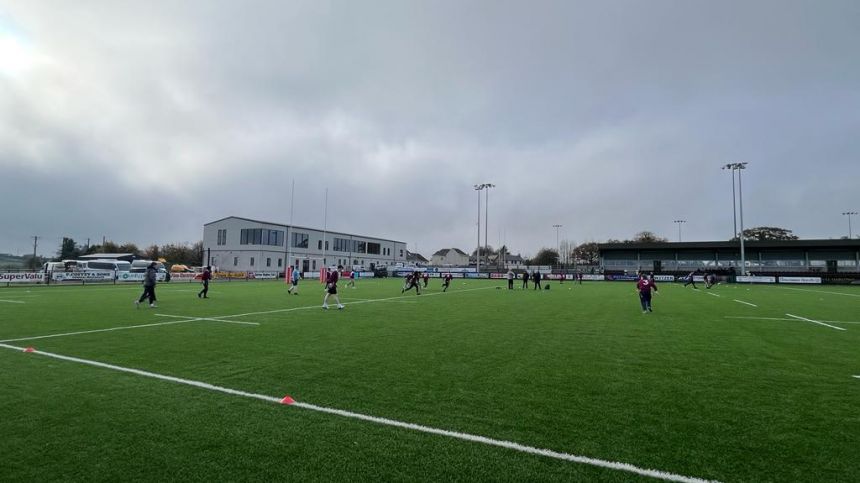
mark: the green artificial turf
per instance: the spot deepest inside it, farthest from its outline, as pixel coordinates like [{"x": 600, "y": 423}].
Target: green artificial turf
[{"x": 695, "y": 388}]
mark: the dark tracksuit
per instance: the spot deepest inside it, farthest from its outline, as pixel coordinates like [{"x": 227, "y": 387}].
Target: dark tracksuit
[
  {"x": 526, "y": 280},
  {"x": 207, "y": 275},
  {"x": 148, "y": 286},
  {"x": 537, "y": 280}
]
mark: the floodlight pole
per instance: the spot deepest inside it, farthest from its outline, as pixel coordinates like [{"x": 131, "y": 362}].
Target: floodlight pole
[
  {"x": 679, "y": 228},
  {"x": 557, "y": 247},
  {"x": 487, "y": 217},
  {"x": 740, "y": 167},
  {"x": 731, "y": 168},
  {"x": 849, "y": 214},
  {"x": 478, "y": 188}
]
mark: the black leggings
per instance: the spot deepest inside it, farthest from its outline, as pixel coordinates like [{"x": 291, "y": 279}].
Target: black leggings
[
  {"x": 148, "y": 292},
  {"x": 205, "y": 290}
]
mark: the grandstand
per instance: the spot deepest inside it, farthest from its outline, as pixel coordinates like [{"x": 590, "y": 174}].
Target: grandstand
[{"x": 830, "y": 259}]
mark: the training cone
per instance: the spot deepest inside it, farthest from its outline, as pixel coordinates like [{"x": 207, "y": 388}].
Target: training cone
[
  {"x": 29, "y": 349},
  {"x": 287, "y": 400}
]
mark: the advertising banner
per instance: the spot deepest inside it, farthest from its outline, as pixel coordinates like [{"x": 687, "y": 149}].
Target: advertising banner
[
  {"x": 755, "y": 279},
  {"x": 664, "y": 278},
  {"x": 799, "y": 279},
  {"x": 622, "y": 278},
  {"x": 230, "y": 275},
  {"x": 185, "y": 276},
  {"x": 263, "y": 275},
  {"x": 138, "y": 277},
  {"x": 82, "y": 276},
  {"x": 593, "y": 277},
  {"x": 23, "y": 277}
]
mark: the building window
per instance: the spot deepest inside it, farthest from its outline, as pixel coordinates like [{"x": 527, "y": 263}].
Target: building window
[
  {"x": 235, "y": 261},
  {"x": 314, "y": 263},
  {"x": 300, "y": 240},
  {"x": 319, "y": 245},
  {"x": 222, "y": 237},
  {"x": 401, "y": 253},
  {"x": 373, "y": 248},
  {"x": 261, "y": 236},
  {"x": 280, "y": 262},
  {"x": 326, "y": 245},
  {"x": 268, "y": 262},
  {"x": 252, "y": 261}
]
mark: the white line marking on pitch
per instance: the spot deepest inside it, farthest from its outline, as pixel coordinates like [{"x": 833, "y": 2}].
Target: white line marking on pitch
[
  {"x": 98, "y": 330},
  {"x": 858, "y": 377},
  {"x": 208, "y": 318},
  {"x": 746, "y": 303},
  {"x": 816, "y": 322},
  {"x": 613, "y": 465},
  {"x": 12, "y": 301},
  {"x": 712, "y": 294},
  {"x": 821, "y": 291}
]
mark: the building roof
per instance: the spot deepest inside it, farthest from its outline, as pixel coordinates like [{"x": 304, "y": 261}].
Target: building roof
[
  {"x": 416, "y": 257},
  {"x": 444, "y": 252},
  {"x": 298, "y": 227},
  {"x": 732, "y": 245}
]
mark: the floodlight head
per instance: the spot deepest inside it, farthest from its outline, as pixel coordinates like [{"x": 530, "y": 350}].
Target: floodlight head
[
  {"x": 479, "y": 187},
  {"x": 849, "y": 213}
]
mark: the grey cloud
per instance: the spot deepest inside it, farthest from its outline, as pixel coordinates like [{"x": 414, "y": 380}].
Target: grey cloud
[{"x": 607, "y": 117}]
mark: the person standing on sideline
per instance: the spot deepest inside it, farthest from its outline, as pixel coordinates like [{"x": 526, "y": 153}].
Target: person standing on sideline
[
  {"x": 148, "y": 286},
  {"x": 331, "y": 288},
  {"x": 511, "y": 277},
  {"x": 561, "y": 278},
  {"x": 426, "y": 279},
  {"x": 536, "y": 278},
  {"x": 206, "y": 277},
  {"x": 644, "y": 287},
  {"x": 351, "y": 279},
  {"x": 526, "y": 279},
  {"x": 294, "y": 282}
]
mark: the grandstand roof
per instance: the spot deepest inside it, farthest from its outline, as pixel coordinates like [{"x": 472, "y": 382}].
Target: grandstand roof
[{"x": 729, "y": 245}]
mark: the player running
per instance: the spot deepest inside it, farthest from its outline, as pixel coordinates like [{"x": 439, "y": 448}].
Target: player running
[
  {"x": 644, "y": 287},
  {"x": 331, "y": 288},
  {"x": 691, "y": 279},
  {"x": 412, "y": 282},
  {"x": 426, "y": 279},
  {"x": 446, "y": 282},
  {"x": 351, "y": 279}
]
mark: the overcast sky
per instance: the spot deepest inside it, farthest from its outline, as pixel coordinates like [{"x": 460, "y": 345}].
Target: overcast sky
[{"x": 141, "y": 121}]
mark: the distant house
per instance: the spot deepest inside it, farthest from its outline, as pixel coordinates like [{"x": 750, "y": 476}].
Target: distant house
[
  {"x": 415, "y": 258},
  {"x": 510, "y": 262},
  {"x": 450, "y": 257}
]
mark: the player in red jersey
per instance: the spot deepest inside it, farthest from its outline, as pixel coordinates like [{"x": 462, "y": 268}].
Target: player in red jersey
[{"x": 644, "y": 287}]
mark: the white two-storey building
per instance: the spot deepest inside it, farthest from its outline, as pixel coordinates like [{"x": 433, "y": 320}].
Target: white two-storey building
[{"x": 236, "y": 244}]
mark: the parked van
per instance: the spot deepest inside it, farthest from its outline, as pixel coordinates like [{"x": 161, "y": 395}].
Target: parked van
[
  {"x": 139, "y": 266},
  {"x": 117, "y": 266}
]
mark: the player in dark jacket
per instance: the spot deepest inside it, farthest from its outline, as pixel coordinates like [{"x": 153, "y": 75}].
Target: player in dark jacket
[
  {"x": 148, "y": 286},
  {"x": 206, "y": 277}
]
